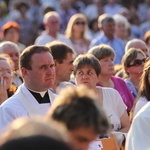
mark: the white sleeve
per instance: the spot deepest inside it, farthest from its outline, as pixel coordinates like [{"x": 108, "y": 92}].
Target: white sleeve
[
  {"x": 140, "y": 103},
  {"x": 138, "y": 137}
]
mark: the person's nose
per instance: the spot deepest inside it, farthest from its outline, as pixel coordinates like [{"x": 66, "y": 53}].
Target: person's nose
[
  {"x": 72, "y": 67},
  {"x": 85, "y": 76},
  {"x": 51, "y": 70},
  {"x": 15, "y": 58}
]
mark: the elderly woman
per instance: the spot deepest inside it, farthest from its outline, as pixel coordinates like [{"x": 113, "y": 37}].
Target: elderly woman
[
  {"x": 86, "y": 71},
  {"x": 7, "y": 89}
]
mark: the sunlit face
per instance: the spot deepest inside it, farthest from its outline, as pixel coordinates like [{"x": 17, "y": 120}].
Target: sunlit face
[
  {"x": 64, "y": 70},
  {"x": 120, "y": 30},
  {"x": 12, "y": 35},
  {"x": 107, "y": 65},
  {"x": 136, "y": 70},
  {"x": 13, "y": 53},
  {"x": 79, "y": 26},
  {"x": 80, "y": 138},
  {"x": 5, "y": 74},
  {"x": 87, "y": 76},
  {"x": 42, "y": 75},
  {"x": 53, "y": 24}
]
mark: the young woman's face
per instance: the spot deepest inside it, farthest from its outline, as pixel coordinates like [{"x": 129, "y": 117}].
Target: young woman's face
[
  {"x": 137, "y": 68},
  {"x": 79, "y": 25}
]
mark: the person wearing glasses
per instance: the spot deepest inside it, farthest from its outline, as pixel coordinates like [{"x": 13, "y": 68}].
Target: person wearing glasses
[
  {"x": 144, "y": 88},
  {"x": 76, "y": 32},
  {"x": 7, "y": 89},
  {"x": 133, "y": 64}
]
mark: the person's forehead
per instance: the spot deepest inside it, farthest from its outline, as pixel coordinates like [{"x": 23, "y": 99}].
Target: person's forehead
[
  {"x": 53, "y": 18},
  {"x": 42, "y": 55},
  {"x": 10, "y": 49},
  {"x": 140, "y": 45},
  {"x": 4, "y": 63},
  {"x": 84, "y": 132},
  {"x": 86, "y": 68}
]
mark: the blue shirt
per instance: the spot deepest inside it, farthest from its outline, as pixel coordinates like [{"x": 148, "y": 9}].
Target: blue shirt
[{"x": 117, "y": 44}]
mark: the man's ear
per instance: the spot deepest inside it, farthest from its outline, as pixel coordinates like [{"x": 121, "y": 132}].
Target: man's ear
[
  {"x": 24, "y": 71},
  {"x": 56, "y": 62}
]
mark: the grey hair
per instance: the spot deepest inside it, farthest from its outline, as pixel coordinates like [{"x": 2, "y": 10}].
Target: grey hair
[{"x": 8, "y": 44}]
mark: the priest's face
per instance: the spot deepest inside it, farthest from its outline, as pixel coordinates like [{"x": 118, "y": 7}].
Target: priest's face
[{"x": 42, "y": 75}]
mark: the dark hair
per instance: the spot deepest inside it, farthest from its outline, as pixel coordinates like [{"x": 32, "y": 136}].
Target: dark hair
[
  {"x": 92, "y": 22},
  {"x": 80, "y": 108},
  {"x": 26, "y": 56},
  {"x": 129, "y": 56},
  {"x": 87, "y": 60},
  {"x": 36, "y": 142},
  {"x": 59, "y": 50},
  {"x": 19, "y": 5}
]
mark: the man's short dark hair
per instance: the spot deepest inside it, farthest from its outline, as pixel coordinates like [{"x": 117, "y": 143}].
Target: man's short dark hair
[
  {"x": 59, "y": 50},
  {"x": 26, "y": 55}
]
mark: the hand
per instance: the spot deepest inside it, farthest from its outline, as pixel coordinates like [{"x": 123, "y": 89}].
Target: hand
[
  {"x": 120, "y": 137},
  {"x": 3, "y": 90}
]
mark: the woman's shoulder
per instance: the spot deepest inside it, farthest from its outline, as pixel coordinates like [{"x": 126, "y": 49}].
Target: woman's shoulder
[
  {"x": 107, "y": 89},
  {"x": 117, "y": 79}
]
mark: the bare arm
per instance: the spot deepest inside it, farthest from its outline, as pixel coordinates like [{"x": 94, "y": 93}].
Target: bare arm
[{"x": 125, "y": 122}]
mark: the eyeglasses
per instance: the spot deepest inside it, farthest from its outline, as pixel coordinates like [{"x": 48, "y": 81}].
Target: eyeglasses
[
  {"x": 80, "y": 22},
  {"x": 137, "y": 62}
]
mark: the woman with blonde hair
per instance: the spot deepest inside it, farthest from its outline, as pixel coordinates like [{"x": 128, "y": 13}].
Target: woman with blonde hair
[{"x": 76, "y": 32}]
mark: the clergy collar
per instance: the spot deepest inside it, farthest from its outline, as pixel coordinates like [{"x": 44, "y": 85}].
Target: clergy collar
[{"x": 41, "y": 93}]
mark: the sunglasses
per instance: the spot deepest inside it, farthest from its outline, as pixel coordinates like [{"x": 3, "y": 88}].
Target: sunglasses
[
  {"x": 137, "y": 62},
  {"x": 79, "y": 22}
]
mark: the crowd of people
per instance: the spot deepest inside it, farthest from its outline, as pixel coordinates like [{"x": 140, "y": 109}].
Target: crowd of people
[{"x": 73, "y": 72}]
